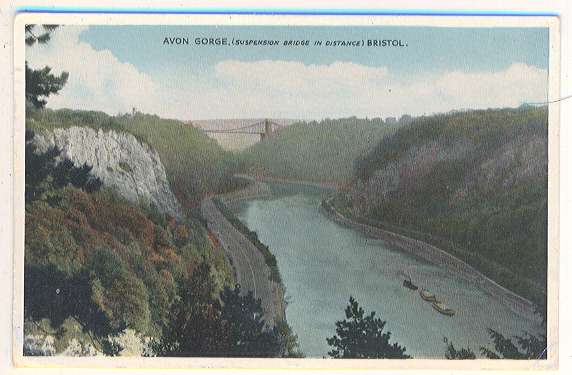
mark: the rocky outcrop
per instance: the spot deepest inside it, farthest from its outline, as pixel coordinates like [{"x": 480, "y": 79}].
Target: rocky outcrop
[
  {"x": 123, "y": 163},
  {"x": 511, "y": 164}
]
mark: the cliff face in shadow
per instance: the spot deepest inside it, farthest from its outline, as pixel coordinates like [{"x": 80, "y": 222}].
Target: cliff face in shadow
[{"x": 474, "y": 183}]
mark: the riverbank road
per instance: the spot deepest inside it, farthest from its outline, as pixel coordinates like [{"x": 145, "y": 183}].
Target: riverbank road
[{"x": 248, "y": 264}]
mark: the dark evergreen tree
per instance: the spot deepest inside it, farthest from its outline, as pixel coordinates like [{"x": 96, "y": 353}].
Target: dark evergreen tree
[
  {"x": 38, "y": 169},
  {"x": 232, "y": 326},
  {"x": 41, "y": 83},
  {"x": 526, "y": 347},
  {"x": 194, "y": 327},
  {"x": 51, "y": 294},
  {"x": 248, "y": 336},
  {"x": 45, "y": 174},
  {"x": 289, "y": 346},
  {"x": 362, "y": 336},
  {"x": 42, "y": 37},
  {"x": 453, "y": 353}
]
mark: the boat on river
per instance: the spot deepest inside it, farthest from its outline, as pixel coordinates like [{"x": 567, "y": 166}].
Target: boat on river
[
  {"x": 407, "y": 283},
  {"x": 427, "y": 295},
  {"x": 443, "y": 309}
]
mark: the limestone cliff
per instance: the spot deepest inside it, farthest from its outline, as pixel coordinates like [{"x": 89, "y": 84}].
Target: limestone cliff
[{"x": 123, "y": 163}]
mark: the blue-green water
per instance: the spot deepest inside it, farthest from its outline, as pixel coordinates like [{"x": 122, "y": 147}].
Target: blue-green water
[{"x": 323, "y": 263}]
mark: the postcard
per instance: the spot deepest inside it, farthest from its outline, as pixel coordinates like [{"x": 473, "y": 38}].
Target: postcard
[{"x": 286, "y": 191}]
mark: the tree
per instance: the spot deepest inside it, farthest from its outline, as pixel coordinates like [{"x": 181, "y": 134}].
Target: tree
[
  {"x": 38, "y": 168},
  {"x": 453, "y": 353},
  {"x": 51, "y": 294},
  {"x": 32, "y": 37},
  {"x": 193, "y": 327},
  {"x": 362, "y": 336},
  {"x": 41, "y": 83},
  {"x": 247, "y": 335},
  {"x": 45, "y": 174},
  {"x": 526, "y": 347},
  {"x": 289, "y": 346},
  {"x": 229, "y": 326}
]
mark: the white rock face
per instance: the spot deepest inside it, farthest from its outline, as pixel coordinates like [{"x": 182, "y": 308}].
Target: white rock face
[{"x": 132, "y": 168}]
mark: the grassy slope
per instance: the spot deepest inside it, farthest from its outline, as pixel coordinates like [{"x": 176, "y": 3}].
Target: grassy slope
[
  {"x": 479, "y": 190},
  {"x": 318, "y": 151}
]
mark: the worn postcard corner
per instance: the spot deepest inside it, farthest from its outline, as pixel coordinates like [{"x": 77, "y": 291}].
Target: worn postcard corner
[{"x": 285, "y": 191}]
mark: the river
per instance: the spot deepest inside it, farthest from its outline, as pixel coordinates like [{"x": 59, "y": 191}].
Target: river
[{"x": 322, "y": 264}]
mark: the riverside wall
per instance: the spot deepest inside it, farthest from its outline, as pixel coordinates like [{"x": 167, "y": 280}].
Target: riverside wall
[{"x": 439, "y": 257}]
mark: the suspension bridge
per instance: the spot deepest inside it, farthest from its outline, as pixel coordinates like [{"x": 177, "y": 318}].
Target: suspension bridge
[{"x": 265, "y": 128}]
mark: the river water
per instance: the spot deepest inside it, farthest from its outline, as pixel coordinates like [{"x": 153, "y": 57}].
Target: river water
[{"x": 322, "y": 264}]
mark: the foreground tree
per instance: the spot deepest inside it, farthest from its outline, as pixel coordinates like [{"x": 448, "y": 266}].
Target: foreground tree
[
  {"x": 34, "y": 36},
  {"x": 247, "y": 334},
  {"x": 46, "y": 175},
  {"x": 41, "y": 83},
  {"x": 453, "y": 353},
  {"x": 229, "y": 326},
  {"x": 362, "y": 336},
  {"x": 526, "y": 347}
]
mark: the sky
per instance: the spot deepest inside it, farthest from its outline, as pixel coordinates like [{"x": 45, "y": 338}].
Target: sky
[{"x": 116, "y": 68}]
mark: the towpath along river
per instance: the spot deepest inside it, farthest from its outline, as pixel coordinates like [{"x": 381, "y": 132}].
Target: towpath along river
[{"x": 248, "y": 264}]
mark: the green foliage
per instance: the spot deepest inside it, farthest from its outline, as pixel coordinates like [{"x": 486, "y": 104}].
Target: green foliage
[
  {"x": 49, "y": 119},
  {"x": 45, "y": 176},
  {"x": 289, "y": 346},
  {"x": 453, "y": 353},
  {"x": 526, "y": 347},
  {"x": 33, "y": 37},
  {"x": 362, "y": 336},
  {"x": 232, "y": 326},
  {"x": 113, "y": 267},
  {"x": 51, "y": 294},
  {"x": 242, "y": 317},
  {"x": 120, "y": 294},
  {"x": 318, "y": 151},
  {"x": 252, "y": 236},
  {"x": 41, "y": 83}
]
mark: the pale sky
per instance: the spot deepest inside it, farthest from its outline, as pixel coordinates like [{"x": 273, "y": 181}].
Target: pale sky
[{"x": 115, "y": 68}]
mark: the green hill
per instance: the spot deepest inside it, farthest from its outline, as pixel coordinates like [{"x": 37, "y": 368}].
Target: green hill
[
  {"x": 317, "y": 151},
  {"x": 473, "y": 183}
]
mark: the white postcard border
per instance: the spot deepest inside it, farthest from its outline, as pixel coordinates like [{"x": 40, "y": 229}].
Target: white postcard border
[{"x": 551, "y": 22}]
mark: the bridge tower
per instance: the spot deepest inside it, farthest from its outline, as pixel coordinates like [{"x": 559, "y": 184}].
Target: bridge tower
[{"x": 267, "y": 130}]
